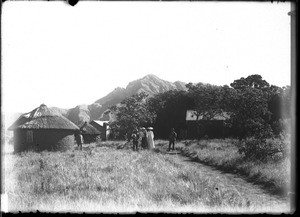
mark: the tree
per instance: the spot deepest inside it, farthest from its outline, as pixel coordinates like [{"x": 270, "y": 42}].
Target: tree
[
  {"x": 252, "y": 81},
  {"x": 265, "y": 108},
  {"x": 250, "y": 114},
  {"x": 280, "y": 107},
  {"x": 130, "y": 114},
  {"x": 208, "y": 102},
  {"x": 170, "y": 108}
]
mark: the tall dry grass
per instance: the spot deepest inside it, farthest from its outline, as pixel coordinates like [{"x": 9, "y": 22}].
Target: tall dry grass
[
  {"x": 110, "y": 177},
  {"x": 223, "y": 154}
]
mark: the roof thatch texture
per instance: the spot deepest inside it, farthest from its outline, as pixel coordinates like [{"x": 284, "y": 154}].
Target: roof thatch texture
[
  {"x": 89, "y": 129},
  {"x": 43, "y": 118}
]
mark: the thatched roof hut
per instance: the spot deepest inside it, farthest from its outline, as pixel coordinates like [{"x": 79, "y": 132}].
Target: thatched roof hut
[
  {"x": 89, "y": 133},
  {"x": 43, "y": 129},
  {"x": 89, "y": 129}
]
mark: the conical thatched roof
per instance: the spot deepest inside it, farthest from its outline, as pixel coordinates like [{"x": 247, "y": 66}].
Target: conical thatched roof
[
  {"x": 43, "y": 118},
  {"x": 89, "y": 129}
]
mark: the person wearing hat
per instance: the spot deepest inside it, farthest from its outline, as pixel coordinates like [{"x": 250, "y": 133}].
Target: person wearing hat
[
  {"x": 150, "y": 138},
  {"x": 172, "y": 139},
  {"x": 134, "y": 138}
]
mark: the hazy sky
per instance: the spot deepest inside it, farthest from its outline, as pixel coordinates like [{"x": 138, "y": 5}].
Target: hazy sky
[{"x": 63, "y": 56}]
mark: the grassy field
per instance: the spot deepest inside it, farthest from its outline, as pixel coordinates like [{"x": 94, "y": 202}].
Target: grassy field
[
  {"x": 110, "y": 177},
  {"x": 224, "y": 155}
]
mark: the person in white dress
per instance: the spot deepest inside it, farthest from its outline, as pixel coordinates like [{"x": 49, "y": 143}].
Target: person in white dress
[{"x": 150, "y": 138}]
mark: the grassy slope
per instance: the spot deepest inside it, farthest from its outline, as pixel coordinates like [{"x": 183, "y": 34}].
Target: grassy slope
[{"x": 107, "y": 179}]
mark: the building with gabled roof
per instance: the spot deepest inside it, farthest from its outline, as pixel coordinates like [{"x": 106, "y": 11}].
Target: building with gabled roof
[
  {"x": 103, "y": 127},
  {"x": 203, "y": 128}
]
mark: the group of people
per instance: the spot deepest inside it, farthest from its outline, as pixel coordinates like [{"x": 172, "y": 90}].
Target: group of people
[{"x": 143, "y": 138}]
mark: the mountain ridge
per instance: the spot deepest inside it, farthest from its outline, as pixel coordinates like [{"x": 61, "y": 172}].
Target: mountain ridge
[{"x": 150, "y": 84}]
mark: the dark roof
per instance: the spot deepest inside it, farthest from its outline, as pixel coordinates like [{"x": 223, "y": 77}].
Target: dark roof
[
  {"x": 43, "y": 118},
  {"x": 89, "y": 129}
]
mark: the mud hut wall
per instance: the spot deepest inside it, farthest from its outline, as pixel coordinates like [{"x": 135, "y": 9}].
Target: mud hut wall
[
  {"x": 88, "y": 138},
  {"x": 20, "y": 140},
  {"x": 44, "y": 139}
]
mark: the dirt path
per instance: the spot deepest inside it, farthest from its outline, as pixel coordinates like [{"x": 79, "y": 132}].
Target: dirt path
[{"x": 255, "y": 194}]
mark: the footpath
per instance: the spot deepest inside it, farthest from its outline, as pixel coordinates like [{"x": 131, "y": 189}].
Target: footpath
[{"x": 255, "y": 194}]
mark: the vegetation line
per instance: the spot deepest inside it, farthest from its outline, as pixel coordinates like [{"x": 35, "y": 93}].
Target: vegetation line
[{"x": 274, "y": 182}]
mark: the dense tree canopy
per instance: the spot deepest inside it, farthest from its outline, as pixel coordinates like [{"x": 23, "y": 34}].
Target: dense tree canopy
[
  {"x": 207, "y": 100},
  {"x": 132, "y": 113},
  {"x": 255, "y": 107},
  {"x": 253, "y": 81},
  {"x": 170, "y": 108}
]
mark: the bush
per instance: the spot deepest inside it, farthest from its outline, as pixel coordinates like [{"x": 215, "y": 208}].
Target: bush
[{"x": 264, "y": 149}]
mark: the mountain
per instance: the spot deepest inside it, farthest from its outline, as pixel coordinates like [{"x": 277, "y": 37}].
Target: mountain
[
  {"x": 79, "y": 114},
  {"x": 117, "y": 94},
  {"x": 152, "y": 85},
  {"x": 60, "y": 110},
  {"x": 180, "y": 85},
  {"x": 149, "y": 84}
]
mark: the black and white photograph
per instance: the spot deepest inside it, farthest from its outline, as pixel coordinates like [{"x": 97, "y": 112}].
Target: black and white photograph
[{"x": 148, "y": 107}]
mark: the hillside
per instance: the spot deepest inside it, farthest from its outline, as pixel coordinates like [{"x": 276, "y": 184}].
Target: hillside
[
  {"x": 152, "y": 85},
  {"x": 149, "y": 84}
]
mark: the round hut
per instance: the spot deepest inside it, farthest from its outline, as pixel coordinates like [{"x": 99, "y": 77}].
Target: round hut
[
  {"x": 43, "y": 129},
  {"x": 89, "y": 133}
]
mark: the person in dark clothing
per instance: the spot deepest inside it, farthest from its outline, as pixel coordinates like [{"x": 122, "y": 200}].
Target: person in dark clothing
[
  {"x": 134, "y": 138},
  {"x": 144, "y": 138},
  {"x": 172, "y": 139},
  {"x": 79, "y": 139},
  {"x": 140, "y": 137}
]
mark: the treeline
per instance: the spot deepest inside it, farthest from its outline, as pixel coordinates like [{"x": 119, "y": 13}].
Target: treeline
[{"x": 254, "y": 107}]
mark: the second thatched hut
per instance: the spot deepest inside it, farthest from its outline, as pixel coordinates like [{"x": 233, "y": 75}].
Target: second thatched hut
[{"x": 90, "y": 134}]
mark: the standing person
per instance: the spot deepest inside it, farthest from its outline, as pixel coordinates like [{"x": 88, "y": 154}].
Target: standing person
[
  {"x": 172, "y": 139},
  {"x": 134, "y": 137},
  {"x": 79, "y": 139},
  {"x": 144, "y": 138},
  {"x": 140, "y": 137},
  {"x": 150, "y": 138}
]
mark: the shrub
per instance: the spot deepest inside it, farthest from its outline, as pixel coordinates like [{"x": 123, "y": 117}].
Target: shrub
[{"x": 264, "y": 149}]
